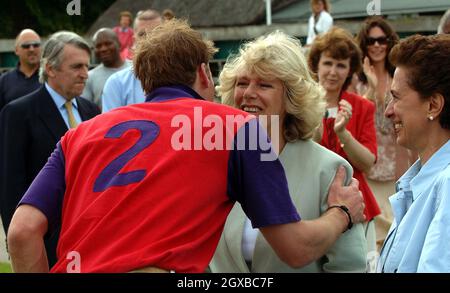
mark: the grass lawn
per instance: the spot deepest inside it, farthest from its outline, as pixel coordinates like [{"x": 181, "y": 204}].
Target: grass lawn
[{"x": 5, "y": 267}]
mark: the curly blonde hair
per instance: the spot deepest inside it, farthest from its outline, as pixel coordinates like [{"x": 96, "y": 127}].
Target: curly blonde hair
[{"x": 280, "y": 56}]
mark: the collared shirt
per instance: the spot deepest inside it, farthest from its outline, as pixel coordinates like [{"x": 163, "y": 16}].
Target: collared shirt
[
  {"x": 60, "y": 101},
  {"x": 419, "y": 238},
  {"x": 121, "y": 89},
  {"x": 14, "y": 84}
]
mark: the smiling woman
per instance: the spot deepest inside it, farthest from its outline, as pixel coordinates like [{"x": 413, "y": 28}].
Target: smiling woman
[
  {"x": 261, "y": 96},
  {"x": 270, "y": 77},
  {"x": 334, "y": 58},
  {"x": 419, "y": 238},
  {"x": 376, "y": 39}
]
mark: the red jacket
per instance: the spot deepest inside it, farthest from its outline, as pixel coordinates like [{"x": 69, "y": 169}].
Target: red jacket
[
  {"x": 362, "y": 128},
  {"x": 125, "y": 38}
]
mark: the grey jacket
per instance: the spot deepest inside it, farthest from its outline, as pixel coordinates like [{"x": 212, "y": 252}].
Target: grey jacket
[{"x": 310, "y": 170}]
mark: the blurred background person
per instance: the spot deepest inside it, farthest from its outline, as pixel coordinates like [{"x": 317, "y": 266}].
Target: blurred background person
[
  {"x": 320, "y": 21},
  {"x": 419, "y": 239},
  {"x": 107, "y": 51},
  {"x": 123, "y": 88},
  {"x": 376, "y": 39},
  {"x": 24, "y": 79},
  {"x": 348, "y": 127},
  {"x": 270, "y": 79},
  {"x": 444, "y": 24},
  {"x": 125, "y": 33}
]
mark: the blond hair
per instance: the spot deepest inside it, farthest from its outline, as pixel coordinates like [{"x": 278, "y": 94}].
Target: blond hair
[{"x": 280, "y": 56}]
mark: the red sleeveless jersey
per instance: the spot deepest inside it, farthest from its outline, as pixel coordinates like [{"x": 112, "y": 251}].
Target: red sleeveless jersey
[{"x": 130, "y": 165}]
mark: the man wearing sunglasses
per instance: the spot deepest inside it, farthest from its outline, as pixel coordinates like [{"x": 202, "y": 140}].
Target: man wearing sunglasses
[{"x": 24, "y": 78}]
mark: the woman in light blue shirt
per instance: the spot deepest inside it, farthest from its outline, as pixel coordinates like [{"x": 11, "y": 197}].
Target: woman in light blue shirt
[{"x": 419, "y": 238}]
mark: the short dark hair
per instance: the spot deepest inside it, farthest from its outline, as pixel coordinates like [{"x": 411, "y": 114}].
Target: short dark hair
[
  {"x": 427, "y": 60},
  {"x": 108, "y": 32}
]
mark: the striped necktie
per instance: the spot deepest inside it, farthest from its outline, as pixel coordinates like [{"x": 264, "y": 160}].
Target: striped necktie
[{"x": 72, "y": 122}]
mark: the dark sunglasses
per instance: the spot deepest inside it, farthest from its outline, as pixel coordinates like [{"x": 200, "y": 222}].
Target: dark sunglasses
[
  {"x": 380, "y": 40},
  {"x": 28, "y": 45}
]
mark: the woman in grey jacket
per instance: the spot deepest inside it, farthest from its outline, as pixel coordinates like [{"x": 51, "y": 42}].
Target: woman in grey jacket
[{"x": 270, "y": 79}]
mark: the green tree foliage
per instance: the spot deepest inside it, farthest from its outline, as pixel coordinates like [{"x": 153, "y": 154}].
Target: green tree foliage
[{"x": 47, "y": 16}]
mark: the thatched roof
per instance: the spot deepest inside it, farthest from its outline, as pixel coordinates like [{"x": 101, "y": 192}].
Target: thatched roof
[{"x": 200, "y": 13}]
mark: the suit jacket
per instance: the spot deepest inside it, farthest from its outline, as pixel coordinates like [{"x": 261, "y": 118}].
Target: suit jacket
[
  {"x": 310, "y": 170},
  {"x": 30, "y": 127}
]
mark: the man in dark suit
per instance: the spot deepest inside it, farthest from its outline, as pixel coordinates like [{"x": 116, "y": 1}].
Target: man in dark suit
[{"x": 31, "y": 126}]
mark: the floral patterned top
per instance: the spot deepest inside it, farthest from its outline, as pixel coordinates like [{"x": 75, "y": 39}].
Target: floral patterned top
[
  {"x": 392, "y": 159},
  {"x": 384, "y": 168}
]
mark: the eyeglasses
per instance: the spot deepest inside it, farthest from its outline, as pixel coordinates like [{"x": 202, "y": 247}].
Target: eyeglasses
[
  {"x": 380, "y": 40},
  {"x": 28, "y": 45}
]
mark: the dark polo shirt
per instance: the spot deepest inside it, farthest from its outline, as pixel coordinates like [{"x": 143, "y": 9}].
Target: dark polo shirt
[{"x": 14, "y": 84}]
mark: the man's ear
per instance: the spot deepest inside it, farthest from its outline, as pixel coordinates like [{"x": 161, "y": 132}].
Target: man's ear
[
  {"x": 204, "y": 75},
  {"x": 50, "y": 71},
  {"x": 436, "y": 104}
]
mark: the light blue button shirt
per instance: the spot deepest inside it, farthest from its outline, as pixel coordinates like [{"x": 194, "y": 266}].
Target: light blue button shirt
[
  {"x": 419, "y": 238},
  {"x": 122, "y": 88},
  {"x": 60, "y": 101}
]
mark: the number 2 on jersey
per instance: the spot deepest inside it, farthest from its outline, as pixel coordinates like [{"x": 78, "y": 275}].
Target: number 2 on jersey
[{"x": 110, "y": 176}]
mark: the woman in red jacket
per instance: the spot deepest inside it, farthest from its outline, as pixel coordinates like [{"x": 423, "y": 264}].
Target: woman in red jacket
[{"x": 348, "y": 127}]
